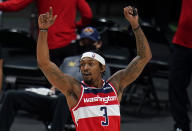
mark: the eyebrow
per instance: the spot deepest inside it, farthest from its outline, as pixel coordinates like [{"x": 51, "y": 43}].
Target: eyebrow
[
  {"x": 87, "y": 60},
  {"x": 90, "y": 59}
]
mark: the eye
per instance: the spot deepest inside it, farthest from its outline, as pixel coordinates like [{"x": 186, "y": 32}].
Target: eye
[
  {"x": 91, "y": 63},
  {"x": 82, "y": 64}
]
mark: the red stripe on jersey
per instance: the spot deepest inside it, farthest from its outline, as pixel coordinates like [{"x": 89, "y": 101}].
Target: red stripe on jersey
[{"x": 97, "y": 109}]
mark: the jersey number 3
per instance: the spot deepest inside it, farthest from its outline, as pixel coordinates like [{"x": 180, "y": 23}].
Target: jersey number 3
[{"x": 106, "y": 122}]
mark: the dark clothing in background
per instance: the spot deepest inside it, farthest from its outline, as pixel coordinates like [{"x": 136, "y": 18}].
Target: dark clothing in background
[{"x": 181, "y": 69}]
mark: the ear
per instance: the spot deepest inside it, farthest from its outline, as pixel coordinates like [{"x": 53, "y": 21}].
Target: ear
[{"x": 103, "y": 67}]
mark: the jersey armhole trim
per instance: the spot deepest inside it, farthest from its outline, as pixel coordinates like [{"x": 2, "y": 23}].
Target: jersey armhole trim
[
  {"x": 114, "y": 89},
  {"x": 80, "y": 98}
]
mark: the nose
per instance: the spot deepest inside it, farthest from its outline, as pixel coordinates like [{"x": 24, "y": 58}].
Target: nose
[{"x": 86, "y": 67}]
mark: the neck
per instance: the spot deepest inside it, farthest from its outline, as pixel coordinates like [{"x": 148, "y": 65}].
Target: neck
[{"x": 97, "y": 84}]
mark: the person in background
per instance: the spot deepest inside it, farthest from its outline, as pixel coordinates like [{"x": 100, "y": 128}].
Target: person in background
[
  {"x": 63, "y": 33},
  {"x": 180, "y": 69},
  {"x": 90, "y": 39},
  {"x": 53, "y": 111},
  {"x": 93, "y": 102}
]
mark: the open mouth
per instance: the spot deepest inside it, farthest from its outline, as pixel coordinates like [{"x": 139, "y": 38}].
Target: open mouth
[{"x": 86, "y": 74}]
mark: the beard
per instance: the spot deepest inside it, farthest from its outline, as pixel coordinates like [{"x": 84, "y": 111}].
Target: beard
[{"x": 88, "y": 82}]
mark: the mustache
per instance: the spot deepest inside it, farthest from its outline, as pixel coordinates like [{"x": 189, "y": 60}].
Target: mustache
[{"x": 86, "y": 73}]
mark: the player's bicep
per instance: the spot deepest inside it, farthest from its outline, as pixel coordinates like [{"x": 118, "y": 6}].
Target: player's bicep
[
  {"x": 132, "y": 71},
  {"x": 125, "y": 77},
  {"x": 58, "y": 79}
]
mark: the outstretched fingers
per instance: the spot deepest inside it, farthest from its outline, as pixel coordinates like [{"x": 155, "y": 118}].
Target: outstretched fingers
[
  {"x": 54, "y": 18},
  {"x": 47, "y": 19},
  {"x": 51, "y": 17},
  {"x": 50, "y": 12}
]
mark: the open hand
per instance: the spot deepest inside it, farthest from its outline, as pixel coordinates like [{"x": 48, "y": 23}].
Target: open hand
[{"x": 47, "y": 19}]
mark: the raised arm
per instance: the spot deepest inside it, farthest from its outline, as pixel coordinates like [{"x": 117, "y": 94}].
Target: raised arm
[
  {"x": 14, "y": 5},
  {"x": 56, "y": 77},
  {"x": 123, "y": 78}
]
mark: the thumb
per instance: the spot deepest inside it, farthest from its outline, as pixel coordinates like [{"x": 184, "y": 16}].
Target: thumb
[{"x": 54, "y": 18}]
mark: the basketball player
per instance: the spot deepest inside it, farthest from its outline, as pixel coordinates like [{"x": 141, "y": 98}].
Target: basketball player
[{"x": 94, "y": 103}]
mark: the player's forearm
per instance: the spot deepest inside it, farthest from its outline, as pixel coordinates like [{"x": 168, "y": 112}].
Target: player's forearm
[
  {"x": 42, "y": 49},
  {"x": 143, "y": 49},
  {"x": 14, "y": 5},
  {"x": 50, "y": 70}
]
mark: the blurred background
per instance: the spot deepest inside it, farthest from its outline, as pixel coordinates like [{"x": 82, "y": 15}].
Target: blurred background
[{"x": 144, "y": 106}]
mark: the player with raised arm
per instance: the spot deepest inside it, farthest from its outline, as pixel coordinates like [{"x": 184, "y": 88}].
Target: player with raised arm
[{"x": 94, "y": 103}]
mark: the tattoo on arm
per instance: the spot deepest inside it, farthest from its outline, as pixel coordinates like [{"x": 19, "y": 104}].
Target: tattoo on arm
[
  {"x": 132, "y": 71},
  {"x": 124, "y": 77},
  {"x": 141, "y": 43}
]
